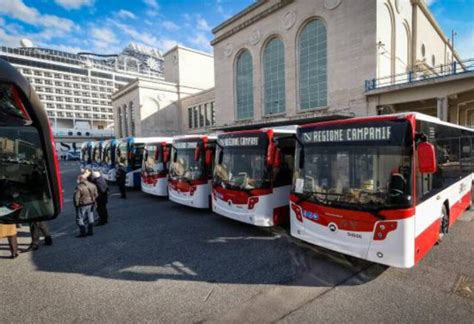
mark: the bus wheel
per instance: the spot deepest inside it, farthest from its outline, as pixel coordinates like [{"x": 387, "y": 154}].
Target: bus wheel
[{"x": 444, "y": 224}]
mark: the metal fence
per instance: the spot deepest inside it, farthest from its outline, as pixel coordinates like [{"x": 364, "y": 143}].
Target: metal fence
[{"x": 436, "y": 72}]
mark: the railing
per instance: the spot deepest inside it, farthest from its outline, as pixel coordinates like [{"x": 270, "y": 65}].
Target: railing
[
  {"x": 71, "y": 132},
  {"x": 428, "y": 73}
]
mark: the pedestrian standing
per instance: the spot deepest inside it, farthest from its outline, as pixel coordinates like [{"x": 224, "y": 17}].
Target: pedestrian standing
[
  {"x": 9, "y": 231},
  {"x": 36, "y": 228},
  {"x": 120, "y": 177},
  {"x": 84, "y": 200},
  {"x": 102, "y": 199}
]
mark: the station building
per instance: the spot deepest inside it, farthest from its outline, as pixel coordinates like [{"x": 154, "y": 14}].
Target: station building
[
  {"x": 297, "y": 61},
  {"x": 182, "y": 102},
  {"x": 281, "y": 60}
]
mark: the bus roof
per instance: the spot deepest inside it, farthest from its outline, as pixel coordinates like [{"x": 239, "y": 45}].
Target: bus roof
[
  {"x": 404, "y": 115},
  {"x": 145, "y": 140},
  {"x": 211, "y": 137},
  {"x": 279, "y": 130}
]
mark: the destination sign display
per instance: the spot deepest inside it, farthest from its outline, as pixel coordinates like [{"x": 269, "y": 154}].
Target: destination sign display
[
  {"x": 385, "y": 132},
  {"x": 382, "y": 133},
  {"x": 185, "y": 145},
  {"x": 239, "y": 141}
]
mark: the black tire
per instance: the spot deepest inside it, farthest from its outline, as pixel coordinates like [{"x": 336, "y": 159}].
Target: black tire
[{"x": 444, "y": 224}]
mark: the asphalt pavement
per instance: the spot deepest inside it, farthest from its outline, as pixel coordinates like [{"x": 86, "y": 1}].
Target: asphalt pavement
[{"x": 157, "y": 261}]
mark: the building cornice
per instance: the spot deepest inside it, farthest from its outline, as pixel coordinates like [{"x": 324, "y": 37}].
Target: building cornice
[
  {"x": 238, "y": 15},
  {"x": 250, "y": 21}
]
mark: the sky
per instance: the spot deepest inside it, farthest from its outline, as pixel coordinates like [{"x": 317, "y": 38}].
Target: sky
[{"x": 107, "y": 26}]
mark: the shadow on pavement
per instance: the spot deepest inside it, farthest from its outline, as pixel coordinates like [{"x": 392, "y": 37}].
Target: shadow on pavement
[{"x": 151, "y": 239}]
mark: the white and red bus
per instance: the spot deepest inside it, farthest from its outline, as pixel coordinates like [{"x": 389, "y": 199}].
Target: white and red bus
[
  {"x": 384, "y": 188},
  {"x": 190, "y": 173},
  {"x": 155, "y": 166},
  {"x": 253, "y": 175}
]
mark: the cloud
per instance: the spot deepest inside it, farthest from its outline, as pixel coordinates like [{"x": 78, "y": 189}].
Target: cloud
[
  {"x": 16, "y": 9},
  {"x": 202, "y": 24},
  {"x": 8, "y": 40},
  {"x": 170, "y": 26},
  {"x": 103, "y": 37},
  {"x": 201, "y": 42},
  {"x": 74, "y": 4},
  {"x": 152, "y": 7},
  {"x": 126, "y": 14},
  {"x": 146, "y": 38}
]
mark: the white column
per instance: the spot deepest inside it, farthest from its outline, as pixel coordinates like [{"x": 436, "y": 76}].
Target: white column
[{"x": 442, "y": 108}]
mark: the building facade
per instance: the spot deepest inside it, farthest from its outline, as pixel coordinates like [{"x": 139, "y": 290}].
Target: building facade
[
  {"x": 160, "y": 107},
  {"x": 76, "y": 89},
  {"x": 298, "y": 59}
]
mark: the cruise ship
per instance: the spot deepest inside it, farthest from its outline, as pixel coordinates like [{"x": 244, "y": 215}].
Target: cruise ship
[{"x": 76, "y": 88}]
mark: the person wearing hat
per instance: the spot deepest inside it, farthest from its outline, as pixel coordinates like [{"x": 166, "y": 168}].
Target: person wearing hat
[
  {"x": 102, "y": 199},
  {"x": 84, "y": 200},
  {"x": 120, "y": 177}
]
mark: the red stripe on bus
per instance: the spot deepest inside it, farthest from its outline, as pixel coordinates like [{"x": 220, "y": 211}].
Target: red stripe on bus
[
  {"x": 395, "y": 214},
  {"x": 459, "y": 207},
  {"x": 185, "y": 186},
  {"x": 239, "y": 197},
  {"x": 425, "y": 241}
]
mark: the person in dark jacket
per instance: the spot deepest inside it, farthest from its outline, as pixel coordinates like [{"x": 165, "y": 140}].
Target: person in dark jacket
[
  {"x": 102, "y": 199},
  {"x": 84, "y": 200},
  {"x": 120, "y": 177}
]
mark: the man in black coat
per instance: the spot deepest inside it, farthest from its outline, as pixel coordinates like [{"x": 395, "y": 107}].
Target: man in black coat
[
  {"x": 120, "y": 178},
  {"x": 102, "y": 199}
]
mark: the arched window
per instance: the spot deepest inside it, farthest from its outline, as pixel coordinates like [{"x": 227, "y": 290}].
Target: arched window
[
  {"x": 244, "y": 85},
  {"x": 125, "y": 120},
  {"x": 274, "y": 76},
  {"x": 312, "y": 48},
  {"x": 132, "y": 118},
  {"x": 119, "y": 121}
]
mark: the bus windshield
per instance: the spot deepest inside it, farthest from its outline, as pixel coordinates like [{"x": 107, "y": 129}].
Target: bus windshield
[
  {"x": 122, "y": 153},
  {"x": 153, "y": 161},
  {"x": 96, "y": 154},
  {"x": 185, "y": 166},
  {"x": 359, "y": 175},
  {"x": 107, "y": 155},
  {"x": 242, "y": 168},
  {"x": 23, "y": 179}
]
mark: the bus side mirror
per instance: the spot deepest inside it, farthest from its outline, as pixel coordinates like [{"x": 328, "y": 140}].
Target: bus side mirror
[
  {"x": 197, "y": 152},
  {"x": 271, "y": 154},
  {"x": 208, "y": 157},
  {"x": 175, "y": 156},
  {"x": 277, "y": 162},
  {"x": 426, "y": 158}
]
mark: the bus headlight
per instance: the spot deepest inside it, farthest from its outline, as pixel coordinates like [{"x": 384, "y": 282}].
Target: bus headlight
[
  {"x": 382, "y": 229},
  {"x": 252, "y": 202},
  {"x": 298, "y": 212}
]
